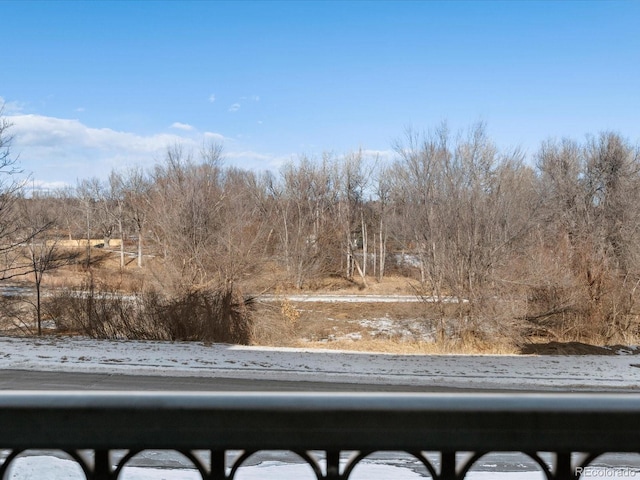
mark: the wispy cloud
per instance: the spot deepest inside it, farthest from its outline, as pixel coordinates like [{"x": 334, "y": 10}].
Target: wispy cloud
[
  {"x": 212, "y": 98},
  {"x": 182, "y": 126},
  {"x": 234, "y": 108},
  {"x": 10, "y": 107}
]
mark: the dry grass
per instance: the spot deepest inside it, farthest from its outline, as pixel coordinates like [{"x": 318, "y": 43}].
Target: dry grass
[
  {"x": 105, "y": 271},
  {"x": 399, "y": 347},
  {"x": 399, "y": 328}
]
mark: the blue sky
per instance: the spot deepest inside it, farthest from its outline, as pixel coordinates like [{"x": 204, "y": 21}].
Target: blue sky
[{"x": 91, "y": 86}]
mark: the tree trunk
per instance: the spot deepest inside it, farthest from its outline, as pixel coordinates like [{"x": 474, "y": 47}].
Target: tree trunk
[
  {"x": 121, "y": 231},
  {"x": 140, "y": 248},
  {"x": 38, "y": 305},
  {"x": 364, "y": 245},
  {"x": 375, "y": 259},
  {"x": 382, "y": 252}
]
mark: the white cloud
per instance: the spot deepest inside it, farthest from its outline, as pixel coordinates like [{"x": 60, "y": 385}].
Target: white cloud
[
  {"x": 257, "y": 161},
  {"x": 64, "y": 150},
  {"x": 216, "y": 137},
  {"x": 235, "y": 107},
  {"x": 181, "y": 126},
  {"x": 44, "y": 185},
  {"x": 50, "y": 132},
  {"x": 80, "y": 109},
  {"x": 212, "y": 98},
  {"x": 382, "y": 155}
]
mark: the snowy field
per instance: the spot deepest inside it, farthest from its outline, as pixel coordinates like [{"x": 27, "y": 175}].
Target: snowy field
[{"x": 620, "y": 373}]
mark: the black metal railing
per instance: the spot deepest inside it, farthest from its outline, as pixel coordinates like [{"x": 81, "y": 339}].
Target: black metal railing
[{"x": 574, "y": 429}]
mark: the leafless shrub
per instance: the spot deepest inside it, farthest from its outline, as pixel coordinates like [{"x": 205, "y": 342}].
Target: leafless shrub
[
  {"x": 99, "y": 312},
  {"x": 220, "y": 315},
  {"x": 16, "y": 315},
  {"x": 582, "y": 298},
  {"x": 584, "y": 276}
]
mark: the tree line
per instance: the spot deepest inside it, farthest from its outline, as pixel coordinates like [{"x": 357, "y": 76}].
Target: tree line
[{"x": 552, "y": 244}]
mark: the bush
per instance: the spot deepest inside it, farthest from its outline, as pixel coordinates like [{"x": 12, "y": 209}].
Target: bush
[
  {"x": 212, "y": 315},
  {"x": 221, "y": 315},
  {"x": 584, "y": 298}
]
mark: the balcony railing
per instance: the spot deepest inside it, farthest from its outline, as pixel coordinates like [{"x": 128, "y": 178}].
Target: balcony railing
[{"x": 89, "y": 427}]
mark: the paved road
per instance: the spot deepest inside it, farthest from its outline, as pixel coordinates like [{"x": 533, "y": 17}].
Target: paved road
[
  {"x": 35, "y": 380},
  {"x": 342, "y": 298}
]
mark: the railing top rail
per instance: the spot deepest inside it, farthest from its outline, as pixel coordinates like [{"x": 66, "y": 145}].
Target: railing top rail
[
  {"x": 306, "y": 421},
  {"x": 456, "y": 401}
]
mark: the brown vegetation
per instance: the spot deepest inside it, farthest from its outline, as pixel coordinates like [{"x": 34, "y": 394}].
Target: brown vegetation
[
  {"x": 203, "y": 315},
  {"x": 540, "y": 253}
]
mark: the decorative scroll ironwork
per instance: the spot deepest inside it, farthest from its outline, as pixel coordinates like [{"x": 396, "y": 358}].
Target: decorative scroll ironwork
[{"x": 320, "y": 429}]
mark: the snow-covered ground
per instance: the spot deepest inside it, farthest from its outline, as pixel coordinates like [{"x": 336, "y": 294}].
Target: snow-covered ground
[
  {"x": 56, "y": 468},
  {"x": 594, "y": 373},
  {"x": 553, "y": 372}
]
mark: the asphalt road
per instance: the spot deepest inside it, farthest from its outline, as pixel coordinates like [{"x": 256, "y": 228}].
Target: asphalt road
[{"x": 36, "y": 380}]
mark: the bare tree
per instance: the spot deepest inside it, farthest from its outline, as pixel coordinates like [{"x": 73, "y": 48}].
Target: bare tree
[
  {"x": 382, "y": 206},
  {"x": 7, "y": 161},
  {"x": 42, "y": 254},
  {"x": 186, "y": 198},
  {"x": 305, "y": 200},
  {"x": 136, "y": 191},
  {"x": 591, "y": 194},
  {"x": 68, "y": 212},
  {"x": 419, "y": 177},
  {"x": 101, "y": 207},
  {"x": 116, "y": 200},
  {"x": 206, "y": 219},
  {"x": 613, "y": 178},
  {"x": 461, "y": 198},
  {"x": 10, "y": 190},
  {"x": 243, "y": 229},
  {"x": 96, "y": 204},
  {"x": 353, "y": 179}
]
